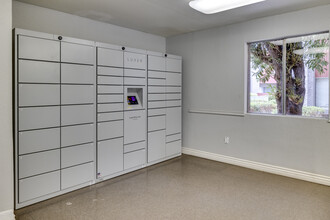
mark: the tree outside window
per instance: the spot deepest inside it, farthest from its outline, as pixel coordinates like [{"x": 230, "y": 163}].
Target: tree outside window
[{"x": 301, "y": 88}]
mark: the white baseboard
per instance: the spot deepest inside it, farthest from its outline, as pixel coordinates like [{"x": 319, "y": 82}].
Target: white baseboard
[
  {"x": 7, "y": 215},
  {"x": 301, "y": 175}
]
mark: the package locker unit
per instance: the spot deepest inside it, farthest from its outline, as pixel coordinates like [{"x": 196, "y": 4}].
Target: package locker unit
[
  {"x": 74, "y": 124},
  {"x": 121, "y": 139},
  {"x": 55, "y": 115},
  {"x": 164, "y": 106}
]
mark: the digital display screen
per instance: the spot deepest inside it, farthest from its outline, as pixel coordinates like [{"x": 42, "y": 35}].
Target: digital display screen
[{"x": 131, "y": 100}]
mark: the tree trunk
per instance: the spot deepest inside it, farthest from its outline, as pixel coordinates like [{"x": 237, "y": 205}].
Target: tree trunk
[{"x": 296, "y": 90}]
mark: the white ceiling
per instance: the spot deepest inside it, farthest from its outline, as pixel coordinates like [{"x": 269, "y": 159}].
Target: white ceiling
[{"x": 169, "y": 17}]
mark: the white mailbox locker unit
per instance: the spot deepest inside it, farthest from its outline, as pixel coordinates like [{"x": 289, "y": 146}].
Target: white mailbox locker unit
[
  {"x": 164, "y": 106},
  {"x": 87, "y": 111},
  {"x": 55, "y": 115},
  {"x": 121, "y": 129}
]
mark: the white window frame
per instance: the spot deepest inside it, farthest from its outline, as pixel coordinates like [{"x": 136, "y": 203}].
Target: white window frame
[{"x": 247, "y": 79}]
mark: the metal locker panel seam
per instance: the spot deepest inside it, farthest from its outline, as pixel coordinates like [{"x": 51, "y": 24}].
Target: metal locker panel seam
[
  {"x": 38, "y": 95},
  {"x": 109, "y": 80},
  {"x": 38, "y": 140},
  {"x": 38, "y": 163},
  {"x": 38, "y": 49},
  {"x": 134, "y": 81},
  {"x": 77, "y": 94},
  {"x": 156, "y": 75},
  {"x": 109, "y": 57},
  {"x": 77, "y": 114},
  {"x": 173, "y": 120},
  {"x": 156, "y": 145},
  {"x": 170, "y": 89},
  {"x": 156, "y": 123},
  {"x": 110, "y": 89},
  {"x": 77, "y": 53},
  {"x": 135, "y": 73},
  {"x": 38, "y": 117},
  {"x": 110, "y": 116},
  {"x": 31, "y": 71},
  {"x": 134, "y": 159},
  {"x": 173, "y": 79},
  {"x": 134, "y": 146},
  {"x": 173, "y": 65},
  {"x": 77, "y": 134},
  {"x": 156, "y": 104},
  {"x": 107, "y": 130},
  {"x": 156, "y": 89},
  {"x": 156, "y": 97},
  {"x": 110, "y": 157},
  {"x": 76, "y": 155},
  {"x": 135, "y": 126},
  {"x": 156, "y": 112},
  {"x": 156, "y": 63},
  {"x": 173, "y": 137},
  {"x": 77, "y": 175},
  {"x": 110, "y": 107},
  {"x": 77, "y": 74},
  {"x": 173, "y": 148},
  {"x": 110, "y": 98},
  {"x": 38, "y": 186},
  {"x": 110, "y": 71}
]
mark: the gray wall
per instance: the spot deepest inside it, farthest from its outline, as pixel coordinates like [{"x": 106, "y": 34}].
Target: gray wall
[
  {"x": 6, "y": 144},
  {"x": 36, "y": 18},
  {"x": 214, "y": 69}
]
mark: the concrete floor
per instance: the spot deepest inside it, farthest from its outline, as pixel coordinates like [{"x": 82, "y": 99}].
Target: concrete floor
[{"x": 190, "y": 188}]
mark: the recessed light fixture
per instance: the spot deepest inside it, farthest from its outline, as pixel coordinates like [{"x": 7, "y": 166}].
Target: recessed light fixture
[{"x": 215, "y": 6}]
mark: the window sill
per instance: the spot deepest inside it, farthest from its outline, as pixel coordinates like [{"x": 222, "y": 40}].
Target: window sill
[{"x": 287, "y": 116}]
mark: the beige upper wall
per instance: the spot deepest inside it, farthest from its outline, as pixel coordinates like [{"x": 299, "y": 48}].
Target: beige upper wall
[
  {"x": 214, "y": 65},
  {"x": 40, "y": 19},
  {"x": 6, "y": 144}
]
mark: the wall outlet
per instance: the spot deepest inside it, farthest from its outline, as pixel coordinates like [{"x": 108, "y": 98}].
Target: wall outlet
[{"x": 227, "y": 140}]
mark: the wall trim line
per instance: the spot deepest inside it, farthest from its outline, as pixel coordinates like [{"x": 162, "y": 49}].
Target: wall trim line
[
  {"x": 7, "y": 215},
  {"x": 296, "y": 174}
]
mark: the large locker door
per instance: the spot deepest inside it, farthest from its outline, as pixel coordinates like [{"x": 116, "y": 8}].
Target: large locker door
[
  {"x": 156, "y": 63},
  {"x": 156, "y": 145},
  {"x": 77, "y": 113},
  {"x": 173, "y": 65},
  {"x": 77, "y": 53},
  {"x": 109, "y": 57},
  {"x": 37, "y": 110},
  {"x": 33, "y": 48},
  {"x": 173, "y": 120},
  {"x": 110, "y": 157}
]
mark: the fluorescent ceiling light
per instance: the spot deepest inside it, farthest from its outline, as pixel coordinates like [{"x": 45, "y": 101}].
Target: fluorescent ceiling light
[{"x": 215, "y": 6}]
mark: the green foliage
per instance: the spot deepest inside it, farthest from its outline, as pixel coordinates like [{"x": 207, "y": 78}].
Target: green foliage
[
  {"x": 313, "y": 111},
  {"x": 270, "y": 107},
  {"x": 263, "y": 107},
  {"x": 316, "y": 61}
]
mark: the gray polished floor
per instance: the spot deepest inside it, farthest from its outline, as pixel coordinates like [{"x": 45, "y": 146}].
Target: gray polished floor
[{"x": 190, "y": 188}]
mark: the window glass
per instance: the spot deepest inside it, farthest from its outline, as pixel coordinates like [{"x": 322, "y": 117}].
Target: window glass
[
  {"x": 265, "y": 77},
  {"x": 306, "y": 76}
]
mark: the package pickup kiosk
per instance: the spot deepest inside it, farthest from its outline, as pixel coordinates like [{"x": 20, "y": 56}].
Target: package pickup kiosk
[
  {"x": 122, "y": 100},
  {"x": 88, "y": 111}
]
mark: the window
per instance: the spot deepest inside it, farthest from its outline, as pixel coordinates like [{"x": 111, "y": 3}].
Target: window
[{"x": 290, "y": 76}]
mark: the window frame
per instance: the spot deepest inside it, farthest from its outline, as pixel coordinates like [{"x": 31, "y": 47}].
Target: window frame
[{"x": 248, "y": 78}]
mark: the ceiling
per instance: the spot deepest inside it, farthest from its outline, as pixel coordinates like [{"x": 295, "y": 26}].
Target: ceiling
[{"x": 169, "y": 17}]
